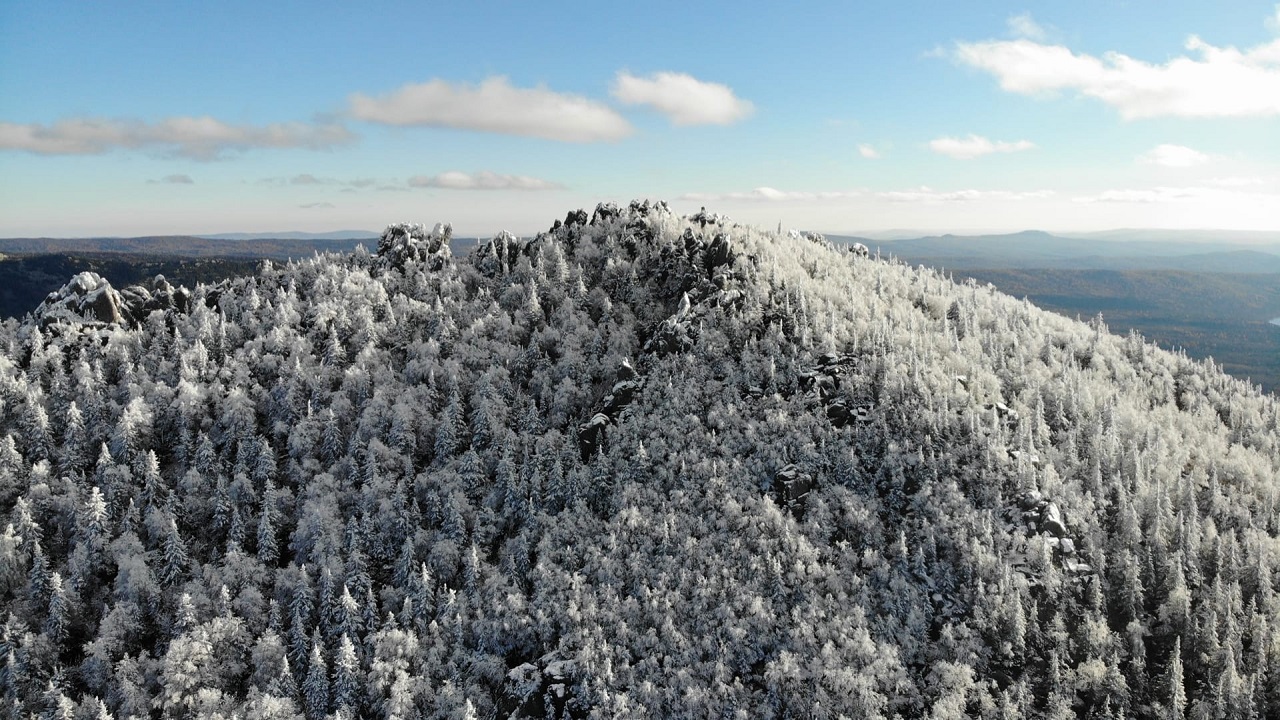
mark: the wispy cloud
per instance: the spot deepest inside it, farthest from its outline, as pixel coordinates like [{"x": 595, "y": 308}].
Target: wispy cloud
[
  {"x": 1022, "y": 26},
  {"x": 1173, "y": 156},
  {"x": 1236, "y": 181},
  {"x": 173, "y": 180},
  {"x": 317, "y": 206},
  {"x": 768, "y": 194},
  {"x": 684, "y": 99},
  {"x": 1152, "y": 195},
  {"x": 975, "y": 146},
  {"x": 868, "y": 152},
  {"x": 927, "y": 194},
  {"x": 494, "y": 106},
  {"x": 483, "y": 180},
  {"x": 197, "y": 138},
  {"x": 309, "y": 179},
  {"x": 1210, "y": 81}
]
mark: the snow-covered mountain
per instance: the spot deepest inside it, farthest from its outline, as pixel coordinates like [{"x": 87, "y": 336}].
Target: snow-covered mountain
[{"x": 641, "y": 465}]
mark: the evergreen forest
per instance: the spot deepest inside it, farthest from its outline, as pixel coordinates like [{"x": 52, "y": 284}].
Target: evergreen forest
[{"x": 640, "y": 465}]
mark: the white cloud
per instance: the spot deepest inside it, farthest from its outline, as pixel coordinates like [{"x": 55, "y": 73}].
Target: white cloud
[
  {"x": 1273, "y": 22},
  {"x": 1023, "y": 26},
  {"x": 483, "y": 180},
  {"x": 975, "y": 146},
  {"x": 682, "y": 98},
  {"x": 317, "y": 206},
  {"x": 173, "y": 180},
  {"x": 927, "y": 194},
  {"x": 199, "y": 138},
  {"x": 768, "y": 194},
  {"x": 868, "y": 152},
  {"x": 1173, "y": 156},
  {"x": 494, "y": 106},
  {"x": 306, "y": 179},
  {"x": 1210, "y": 81}
]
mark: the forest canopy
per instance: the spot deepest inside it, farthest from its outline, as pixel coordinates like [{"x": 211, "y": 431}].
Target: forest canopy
[{"x": 641, "y": 464}]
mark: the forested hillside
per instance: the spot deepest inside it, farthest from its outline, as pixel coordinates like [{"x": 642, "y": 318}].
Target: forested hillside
[{"x": 641, "y": 465}]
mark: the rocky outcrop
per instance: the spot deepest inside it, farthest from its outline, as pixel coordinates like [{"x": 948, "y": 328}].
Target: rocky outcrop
[
  {"x": 542, "y": 688},
  {"x": 405, "y": 242},
  {"x": 823, "y": 383},
  {"x": 591, "y": 434},
  {"x": 675, "y": 334},
  {"x": 159, "y": 294},
  {"x": 791, "y": 487},
  {"x": 1040, "y": 516},
  {"x": 500, "y": 255},
  {"x": 89, "y": 299}
]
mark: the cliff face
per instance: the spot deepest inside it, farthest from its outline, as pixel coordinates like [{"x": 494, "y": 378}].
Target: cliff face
[{"x": 640, "y": 464}]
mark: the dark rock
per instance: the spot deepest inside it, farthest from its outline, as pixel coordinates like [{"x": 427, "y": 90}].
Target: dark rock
[
  {"x": 859, "y": 249},
  {"x": 591, "y": 435},
  {"x": 839, "y": 414},
  {"x": 543, "y": 688},
  {"x": 704, "y": 218},
  {"x": 405, "y": 242},
  {"x": 718, "y": 252},
  {"x": 625, "y": 371},
  {"x": 603, "y": 213},
  {"x": 624, "y": 391},
  {"x": 499, "y": 255},
  {"x": 791, "y": 488},
  {"x": 692, "y": 243},
  {"x": 86, "y": 298},
  {"x": 1051, "y": 521}
]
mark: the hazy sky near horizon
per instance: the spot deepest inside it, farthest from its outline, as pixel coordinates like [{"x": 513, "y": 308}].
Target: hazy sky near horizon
[{"x": 134, "y": 118}]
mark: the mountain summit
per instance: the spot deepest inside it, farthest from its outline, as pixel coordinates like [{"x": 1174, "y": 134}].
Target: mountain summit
[{"x": 638, "y": 465}]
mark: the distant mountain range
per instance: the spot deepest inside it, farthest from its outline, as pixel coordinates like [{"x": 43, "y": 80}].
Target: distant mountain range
[
  {"x": 294, "y": 235},
  {"x": 278, "y": 246},
  {"x": 1115, "y": 250},
  {"x": 181, "y": 246},
  {"x": 1191, "y": 250}
]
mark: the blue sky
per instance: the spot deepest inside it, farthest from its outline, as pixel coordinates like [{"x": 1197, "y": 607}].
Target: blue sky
[{"x": 133, "y": 118}]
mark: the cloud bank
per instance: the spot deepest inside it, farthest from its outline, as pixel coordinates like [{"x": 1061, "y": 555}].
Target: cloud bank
[
  {"x": 768, "y": 194},
  {"x": 975, "y": 146},
  {"x": 494, "y": 106},
  {"x": 197, "y": 138},
  {"x": 1210, "y": 82},
  {"x": 684, "y": 99},
  {"x": 483, "y": 180}
]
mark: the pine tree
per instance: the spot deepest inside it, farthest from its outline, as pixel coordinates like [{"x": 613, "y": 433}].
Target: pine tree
[
  {"x": 58, "y": 619},
  {"x": 1176, "y": 691},
  {"x": 315, "y": 689},
  {"x": 268, "y": 545},
  {"x": 175, "y": 561},
  {"x": 347, "y": 678},
  {"x": 75, "y": 440}
]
